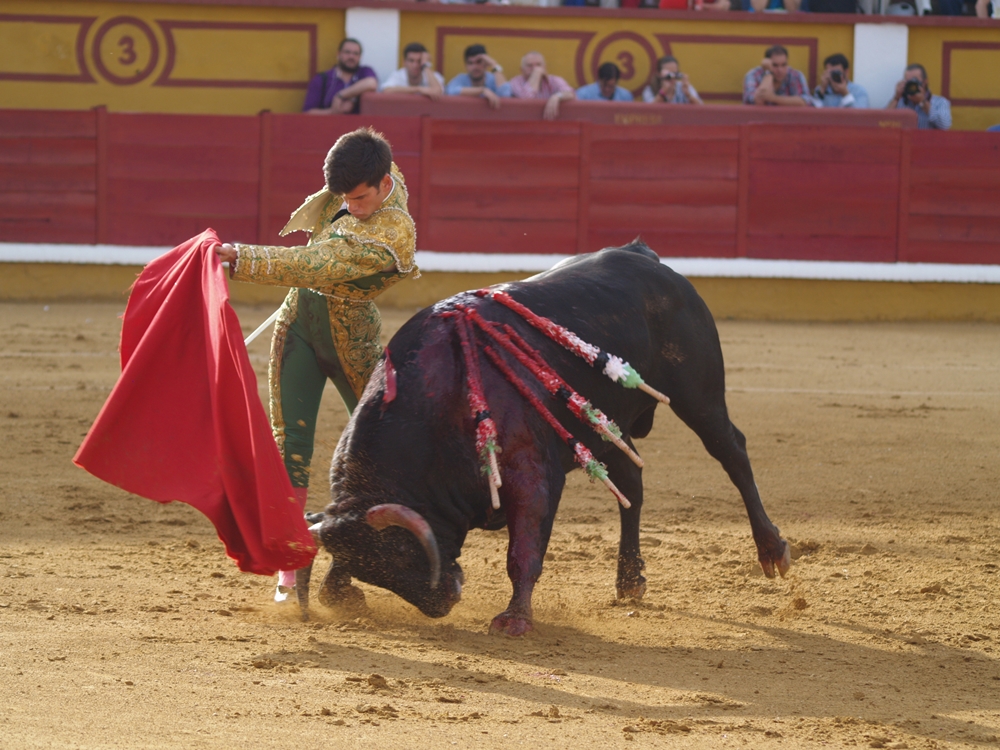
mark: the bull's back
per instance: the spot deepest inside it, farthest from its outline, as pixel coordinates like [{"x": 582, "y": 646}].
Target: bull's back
[{"x": 621, "y": 296}]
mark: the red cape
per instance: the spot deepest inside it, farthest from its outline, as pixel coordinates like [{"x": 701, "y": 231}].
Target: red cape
[{"x": 185, "y": 421}]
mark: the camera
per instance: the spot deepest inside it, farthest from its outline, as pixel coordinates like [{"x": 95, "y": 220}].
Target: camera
[
  {"x": 836, "y": 76},
  {"x": 912, "y": 87}
]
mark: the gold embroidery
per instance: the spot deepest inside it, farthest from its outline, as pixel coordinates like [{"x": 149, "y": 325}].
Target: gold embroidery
[
  {"x": 286, "y": 317},
  {"x": 336, "y": 255}
]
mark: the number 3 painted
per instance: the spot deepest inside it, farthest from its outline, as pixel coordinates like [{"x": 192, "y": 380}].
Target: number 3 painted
[
  {"x": 628, "y": 64},
  {"x": 129, "y": 56}
]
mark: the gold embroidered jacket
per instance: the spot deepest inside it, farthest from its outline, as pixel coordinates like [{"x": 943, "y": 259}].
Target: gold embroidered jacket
[{"x": 351, "y": 262}]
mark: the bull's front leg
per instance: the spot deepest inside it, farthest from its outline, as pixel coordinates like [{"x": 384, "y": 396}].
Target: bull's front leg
[
  {"x": 627, "y": 477},
  {"x": 530, "y": 499},
  {"x": 338, "y": 591}
]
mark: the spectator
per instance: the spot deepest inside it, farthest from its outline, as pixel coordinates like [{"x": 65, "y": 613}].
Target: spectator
[
  {"x": 535, "y": 83},
  {"x": 694, "y": 4},
  {"x": 835, "y": 90},
  {"x": 483, "y": 77},
  {"x": 669, "y": 85},
  {"x": 416, "y": 76},
  {"x": 772, "y": 6},
  {"x": 774, "y": 83},
  {"x": 605, "y": 88},
  {"x": 338, "y": 91},
  {"x": 933, "y": 112}
]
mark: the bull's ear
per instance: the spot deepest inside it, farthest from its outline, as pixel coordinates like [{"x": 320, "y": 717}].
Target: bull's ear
[{"x": 392, "y": 514}]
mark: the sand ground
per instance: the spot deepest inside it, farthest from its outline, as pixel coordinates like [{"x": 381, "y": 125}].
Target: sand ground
[{"x": 876, "y": 449}]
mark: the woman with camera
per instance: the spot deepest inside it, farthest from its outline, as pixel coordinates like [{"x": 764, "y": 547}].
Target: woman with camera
[
  {"x": 669, "y": 86},
  {"x": 933, "y": 112}
]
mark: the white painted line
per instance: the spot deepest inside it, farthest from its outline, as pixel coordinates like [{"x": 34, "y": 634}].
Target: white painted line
[{"x": 429, "y": 261}]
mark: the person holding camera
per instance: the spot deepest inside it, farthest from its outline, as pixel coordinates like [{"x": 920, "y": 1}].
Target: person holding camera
[
  {"x": 669, "y": 86},
  {"x": 933, "y": 112},
  {"x": 774, "y": 82},
  {"x": 416, "y": 76},
  {"x": 835, "y": 90}
]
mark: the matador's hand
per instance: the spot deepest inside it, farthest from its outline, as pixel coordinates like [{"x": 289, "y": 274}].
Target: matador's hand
[{"x": 226, "y": 252}]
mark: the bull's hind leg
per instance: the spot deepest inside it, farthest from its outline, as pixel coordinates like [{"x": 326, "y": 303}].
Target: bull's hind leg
[
  {"x": 630, "y": 583},
  {"x": 728, "y": 446}
]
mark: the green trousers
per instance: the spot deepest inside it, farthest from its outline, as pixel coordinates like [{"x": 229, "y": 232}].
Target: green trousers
[{"x": 308, "y": 359}]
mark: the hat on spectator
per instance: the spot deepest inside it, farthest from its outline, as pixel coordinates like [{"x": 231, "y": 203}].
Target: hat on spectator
[{"x": 474, "y": 49}]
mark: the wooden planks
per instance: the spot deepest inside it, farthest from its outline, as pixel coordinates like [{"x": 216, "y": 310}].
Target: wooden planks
[
  {"x": 675, "y": 187},
  {"x": 766, "y": 190},
  {"x": 822, "y": 193},
  {"x": 503, "y": 187},
  {"x": 954, "y": 212},
  {"x": 48, "y": 177},
  {"x": 172, "y": 176}
]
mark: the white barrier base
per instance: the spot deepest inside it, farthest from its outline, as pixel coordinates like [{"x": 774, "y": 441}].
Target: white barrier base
[{"x": 428, "y": 261}]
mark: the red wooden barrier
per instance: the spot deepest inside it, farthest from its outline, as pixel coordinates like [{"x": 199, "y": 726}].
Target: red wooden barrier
[
  {"x": 823, "y": 193},
  {"x": 171, "y": 176},
  {"x": 765, "y": 190},
  {"x": 954, "y": 206},
  {"x": 677, "y": 187},
  {"x": 628, "y": 113},
  {"x": 503, "y": 187},
  {"x": 48, "y": 177}
]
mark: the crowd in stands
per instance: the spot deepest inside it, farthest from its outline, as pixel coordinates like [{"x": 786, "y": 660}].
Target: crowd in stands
[
  {"x": 981, "y": 8},
  {"x": 772, "y": 83}
]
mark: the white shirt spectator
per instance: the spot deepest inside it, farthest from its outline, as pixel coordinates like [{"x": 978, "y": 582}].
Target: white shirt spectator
[{"x": 400, "y": 78}]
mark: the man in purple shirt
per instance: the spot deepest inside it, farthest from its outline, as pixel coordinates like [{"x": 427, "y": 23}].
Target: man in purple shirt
[
  {"x": 338, "y": 90},
  {"x": 535, "y": 83},
  {"x": 773, "y": 82}
]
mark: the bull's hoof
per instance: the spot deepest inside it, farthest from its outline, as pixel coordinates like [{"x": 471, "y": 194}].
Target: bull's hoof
[
  {"x": 776, "y": 563},
  {"x": 635, "y": 589},
  {"x": 348, "y": 597},
  {"x": 511, "y": 624}
]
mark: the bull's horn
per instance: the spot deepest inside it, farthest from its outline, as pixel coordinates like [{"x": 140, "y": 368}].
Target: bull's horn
[{"x": 393, "y": 514}]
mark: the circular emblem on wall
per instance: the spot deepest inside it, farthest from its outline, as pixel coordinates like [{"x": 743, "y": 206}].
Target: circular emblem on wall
[
  {"x": 633, "y": 55},
  {"x": 125, "y": 51}
]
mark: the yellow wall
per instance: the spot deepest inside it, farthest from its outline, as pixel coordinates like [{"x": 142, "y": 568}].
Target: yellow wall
[
  {"x": 974, "y": 73},
  {"x": 716, "y": 54},
  {"x": 743, "y": 299},
  {"x": 234, "y": 61}
]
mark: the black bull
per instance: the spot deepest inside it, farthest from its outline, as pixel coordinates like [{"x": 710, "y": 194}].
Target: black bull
[{"x": 406, "y": 479}]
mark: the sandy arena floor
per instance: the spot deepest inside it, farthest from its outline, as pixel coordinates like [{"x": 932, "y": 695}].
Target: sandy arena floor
[{"x": 877, "y": 452}]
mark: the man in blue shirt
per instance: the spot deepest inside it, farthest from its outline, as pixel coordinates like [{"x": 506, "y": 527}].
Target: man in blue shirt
[
  {"x": 605, "y": 88},
  {"x": 835, "y": 90},
  {"x": 483, "y": 77},
  {"x": 933, "y": 112}
]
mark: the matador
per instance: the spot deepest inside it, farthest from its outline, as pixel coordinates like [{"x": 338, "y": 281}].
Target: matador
[{"x": 362, "y": 242}]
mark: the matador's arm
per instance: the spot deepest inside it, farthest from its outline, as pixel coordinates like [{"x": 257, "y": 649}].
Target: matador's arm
[{"x": 316, "y": 266}]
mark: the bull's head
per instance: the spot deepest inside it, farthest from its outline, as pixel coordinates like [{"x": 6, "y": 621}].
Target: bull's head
[{"x": 393, "y": 547}]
